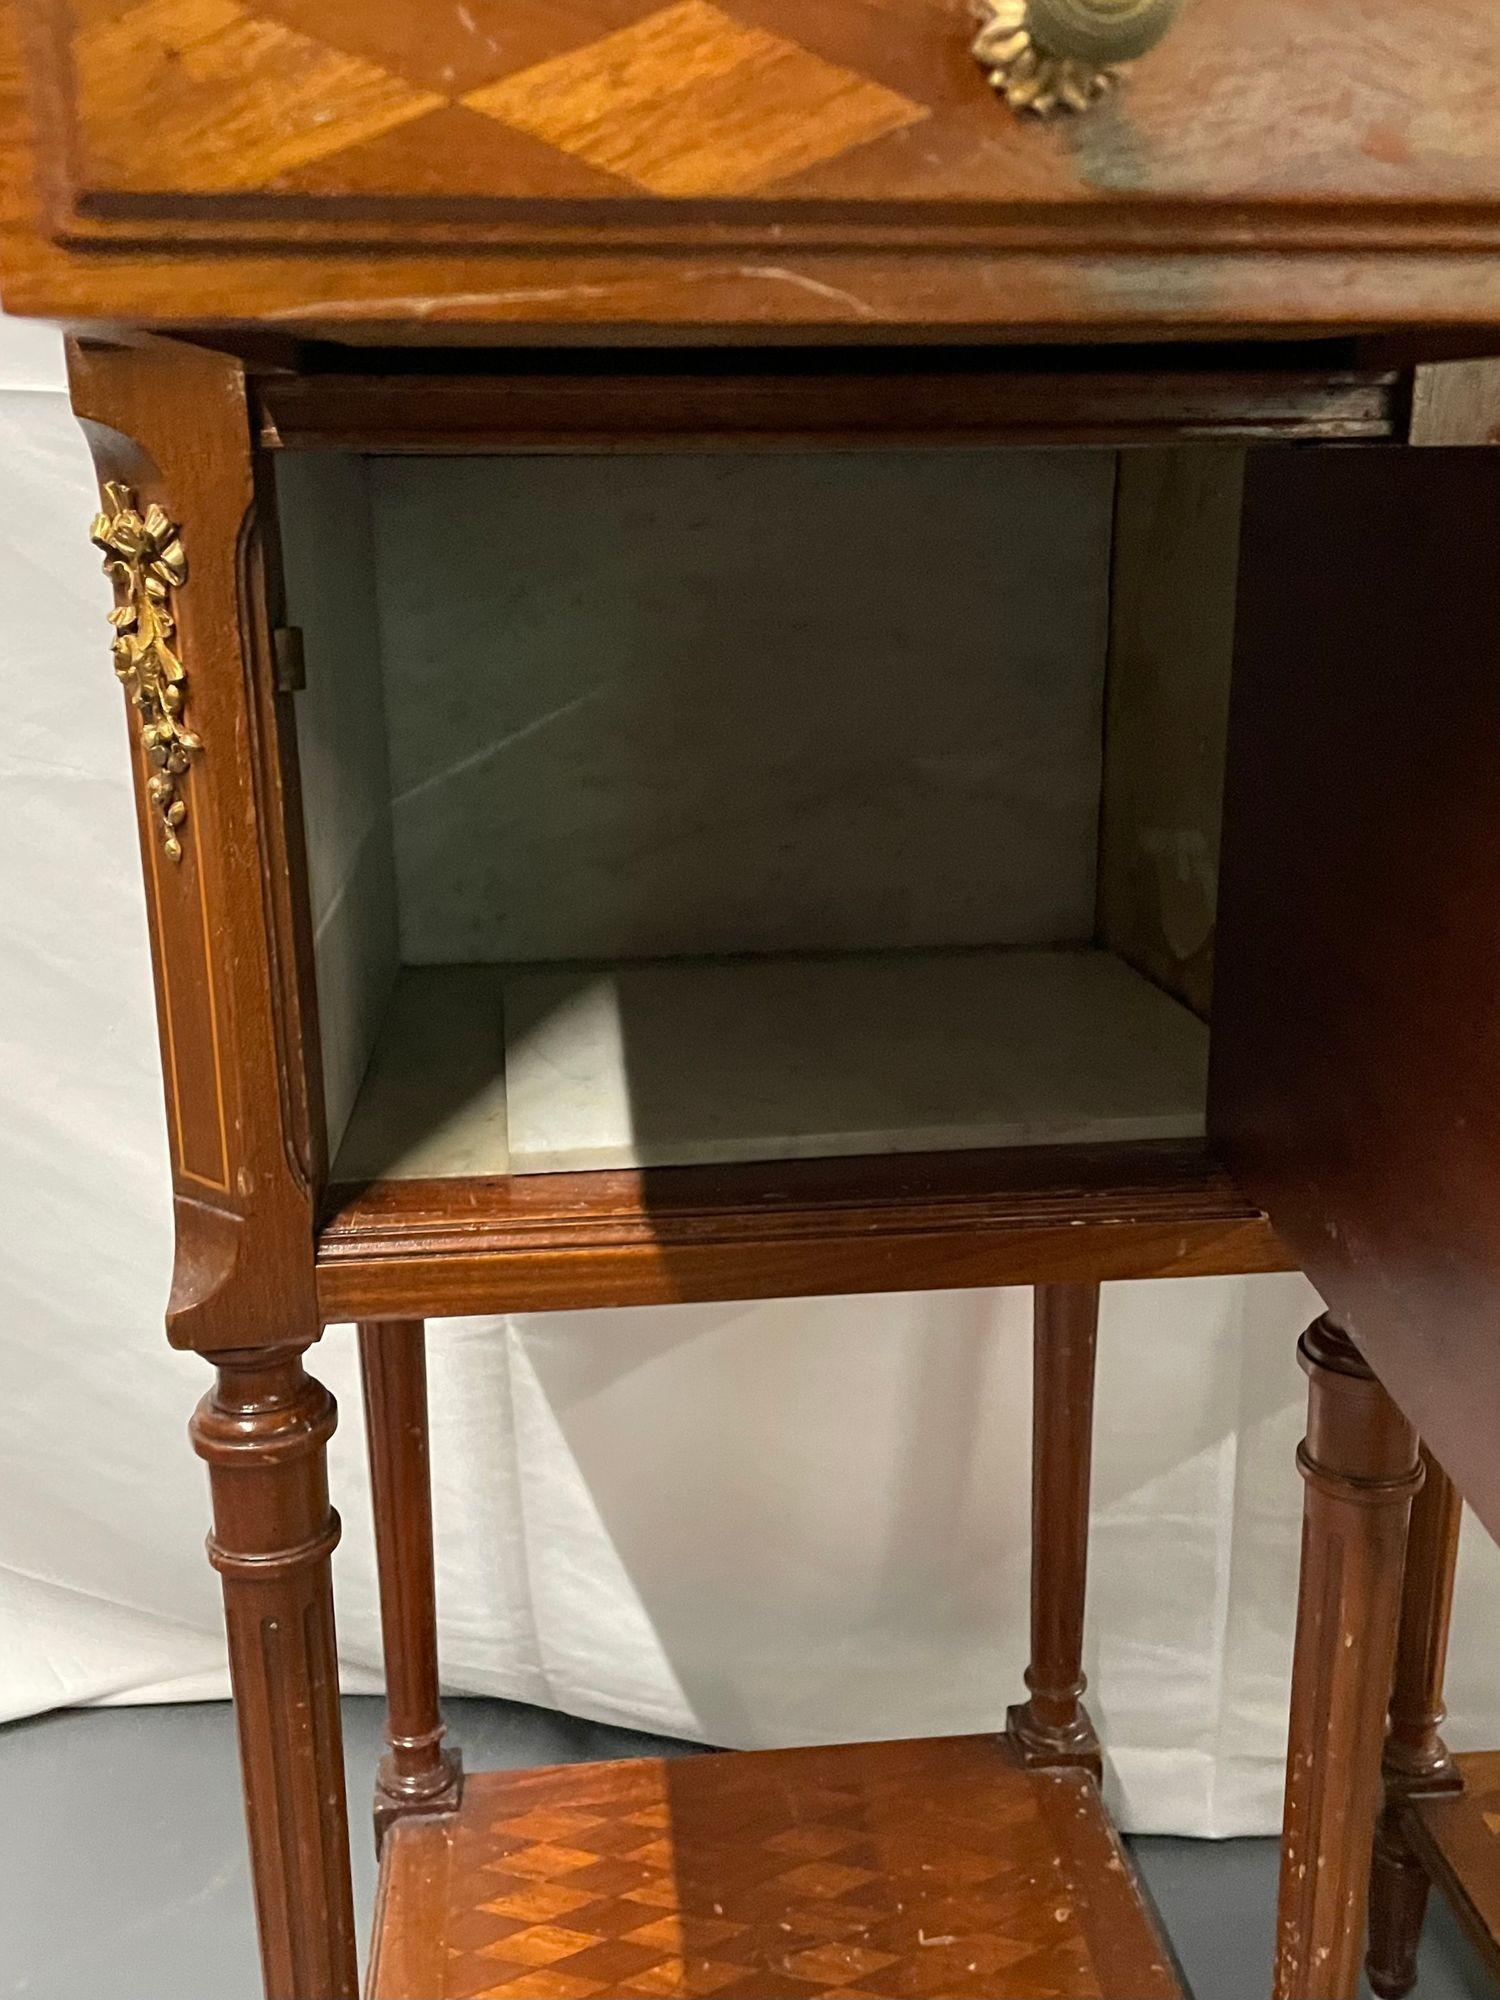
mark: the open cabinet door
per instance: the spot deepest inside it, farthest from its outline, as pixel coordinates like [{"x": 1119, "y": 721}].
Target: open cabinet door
[{"x": 1356, "y": 1066}]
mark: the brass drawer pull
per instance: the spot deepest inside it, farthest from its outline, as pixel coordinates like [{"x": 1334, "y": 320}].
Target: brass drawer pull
[{"x": 1064, "y": 55}]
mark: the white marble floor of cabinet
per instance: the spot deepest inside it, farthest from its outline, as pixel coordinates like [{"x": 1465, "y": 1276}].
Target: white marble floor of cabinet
[{"x": 483, "y": 1071}]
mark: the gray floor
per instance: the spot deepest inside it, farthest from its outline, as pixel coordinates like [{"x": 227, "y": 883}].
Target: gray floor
[{"x": 123, "y": 1870}]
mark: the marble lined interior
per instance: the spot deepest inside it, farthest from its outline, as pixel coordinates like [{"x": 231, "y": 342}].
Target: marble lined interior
[
  {"x": 828, "y": 714},
  {"x": 433, "y": 1102},
  {"x": 663, "y": 706},
  {"x": 324, "y": 504},
  {"x": 784, "y": 1059},
  {"x": 483, "y": 1071}
]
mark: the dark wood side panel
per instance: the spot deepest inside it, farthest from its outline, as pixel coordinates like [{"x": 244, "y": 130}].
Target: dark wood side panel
[
  {"x": 544, "y": 1241},
  {"x": 170, "y": 426},
  {"x": 1356, "y": 1067}
]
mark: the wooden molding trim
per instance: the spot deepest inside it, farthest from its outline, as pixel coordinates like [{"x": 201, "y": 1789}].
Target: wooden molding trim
[
  {"x": 532, "y": 1243},
  {"x": 690, "y": 406}
]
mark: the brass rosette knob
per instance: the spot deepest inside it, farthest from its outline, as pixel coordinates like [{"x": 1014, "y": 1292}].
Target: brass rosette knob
[{"x": 1044, "y": 56}]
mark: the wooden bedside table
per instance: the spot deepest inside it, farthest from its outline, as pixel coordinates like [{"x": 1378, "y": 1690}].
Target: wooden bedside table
[{"x": 291, "y": 239}]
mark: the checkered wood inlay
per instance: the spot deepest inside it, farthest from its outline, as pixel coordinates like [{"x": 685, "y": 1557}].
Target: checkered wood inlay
[
  {"x": 1457, "y": 1837},
  {"x": 909, "y": 1869},
  {"x": 510, "y": 98}
]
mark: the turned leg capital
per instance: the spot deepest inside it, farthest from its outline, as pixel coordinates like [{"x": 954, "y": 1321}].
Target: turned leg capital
[
  {"x": 1359, "y": 1449},
  {"x": 262, "y": 1430},
  {"x": 263, "y": 1404}
]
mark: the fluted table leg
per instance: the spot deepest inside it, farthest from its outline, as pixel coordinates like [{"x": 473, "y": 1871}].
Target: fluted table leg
[
  {"x": 263, "y": 1431},
  {"x": 1360, "y": 1464}
]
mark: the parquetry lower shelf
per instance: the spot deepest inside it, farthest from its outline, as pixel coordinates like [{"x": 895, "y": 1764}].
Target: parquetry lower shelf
[
  {"x": 1458, "y": 1838},
  {"x": 897, "y": 1869}
]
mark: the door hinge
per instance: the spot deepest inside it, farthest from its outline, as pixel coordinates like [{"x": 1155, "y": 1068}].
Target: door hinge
[{"x": 291, "y": 668}]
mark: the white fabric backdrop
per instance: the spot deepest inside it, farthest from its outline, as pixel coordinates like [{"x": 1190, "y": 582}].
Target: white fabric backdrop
[{"x": 754, "y": 1524}]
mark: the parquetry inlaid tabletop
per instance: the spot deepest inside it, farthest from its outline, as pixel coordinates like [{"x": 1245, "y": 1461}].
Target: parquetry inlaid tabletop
[
  {"x": 614, "y": 97},
  {"x": 921, "y": 1869}
]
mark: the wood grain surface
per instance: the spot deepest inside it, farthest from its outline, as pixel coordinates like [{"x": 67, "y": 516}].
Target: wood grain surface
[
  {"x": 1052, "y": 1728},
  {"x": 802, "y": 1227},
  {"x": 305, "y": 107},
  {"x": 229, "y": 923},
  {"x": 419, "y": 1772},
  {"x": 1360, "y": 1470},
  {"x": 1355, "y": 1067},
  {"x": 1416, "y": 1762},
  {"x": 764, "y": 163},
  {"x": 1458, "y": 1839},
  {"x": 965, "y": 398},
  {"x": 263, "y": 1432},
  {"x": 936, "y": 1868}
]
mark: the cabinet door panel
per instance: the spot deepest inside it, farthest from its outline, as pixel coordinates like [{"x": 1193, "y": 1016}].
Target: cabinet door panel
[{"x": 1356, "y": 1078}]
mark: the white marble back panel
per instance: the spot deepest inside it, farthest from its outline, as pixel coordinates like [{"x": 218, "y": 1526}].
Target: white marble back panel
[
  {"x": 346, "y": 783},
  {"x": 643, "y": 706}
]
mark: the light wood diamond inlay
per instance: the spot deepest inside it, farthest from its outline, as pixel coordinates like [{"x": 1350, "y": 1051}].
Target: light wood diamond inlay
[
  {"x": 692, "y": 102},
  {"x": 226, "y": 100}
]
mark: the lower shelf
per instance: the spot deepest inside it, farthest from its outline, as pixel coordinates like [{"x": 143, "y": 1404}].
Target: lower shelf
[
  {"x": 799, "y": 1228},
  {"x": 1458, "y": 1839},
  {"x": 895, "y": 1869},
  {"x": 480, "y": 1071}
]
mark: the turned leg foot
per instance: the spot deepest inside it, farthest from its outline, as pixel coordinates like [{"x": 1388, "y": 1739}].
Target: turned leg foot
[
  {"x": 1399, "y": 1889},
  {"x": 1053, "y": 1727},
  {"x": 1359, "y": 1461},
  {"x": 1417, "y": 1763},
  {"x": 418, "y": 1774},
  {"x": 263, "y": 1430}
]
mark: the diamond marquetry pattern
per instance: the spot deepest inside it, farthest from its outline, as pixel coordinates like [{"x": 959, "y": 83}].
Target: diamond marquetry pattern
[
  {"x": 324, "y": 96},
  {"x": 689, "y": 102},
  {"x": 928, "y": 1869},
  {"x": 209, "y": 96}
]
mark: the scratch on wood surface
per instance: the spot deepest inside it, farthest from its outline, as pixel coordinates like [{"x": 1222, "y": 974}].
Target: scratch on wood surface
[
  {"x": 420, "y": 305},
  {"x": 779, "y": 274},
  {"x": 425, "y": 305}
]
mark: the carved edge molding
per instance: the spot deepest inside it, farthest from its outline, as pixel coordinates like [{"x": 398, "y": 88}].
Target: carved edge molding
[{"x": 144, "y": 558}]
